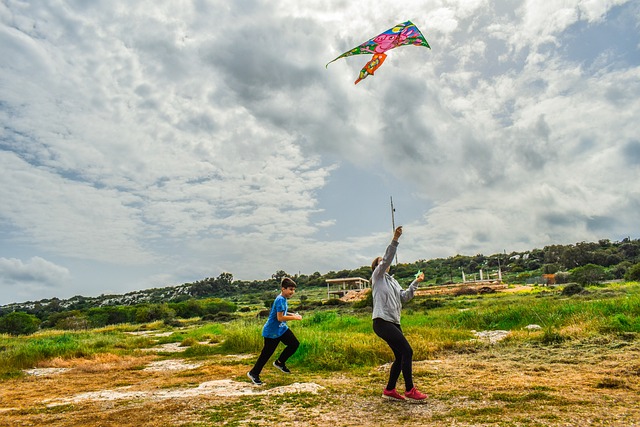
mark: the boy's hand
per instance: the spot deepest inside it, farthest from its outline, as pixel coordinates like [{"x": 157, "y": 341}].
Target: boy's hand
[{"x": 419, "y": 276}]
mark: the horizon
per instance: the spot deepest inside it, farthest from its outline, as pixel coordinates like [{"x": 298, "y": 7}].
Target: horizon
[{"x": 498, "y": 254}]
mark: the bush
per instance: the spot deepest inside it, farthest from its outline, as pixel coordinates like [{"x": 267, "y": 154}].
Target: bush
[
  {"x": 589, "y": 274},
  {"x": 464, "y": 290},
  {"x": 633, "y": 273},
  {"x": 218, "y": 305},
  {"x": 153, "y": 312},
  {"x": 431, "y": 303},
  {"x": 19, "y": 323},
  {"x": 572, "y": 289},
  {"x": 334, "y": 301}
]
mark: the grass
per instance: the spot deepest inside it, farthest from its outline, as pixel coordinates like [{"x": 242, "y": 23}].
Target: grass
[
  {"x": 581, "y": 369},
  {"x": 323, "y": 334}
]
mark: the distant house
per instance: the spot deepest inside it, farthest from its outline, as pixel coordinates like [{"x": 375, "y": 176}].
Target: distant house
[{"x": 339, "y": 287}]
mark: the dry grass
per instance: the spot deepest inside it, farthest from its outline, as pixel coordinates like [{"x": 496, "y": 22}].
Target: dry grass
[{"x": 591, "y": 383}]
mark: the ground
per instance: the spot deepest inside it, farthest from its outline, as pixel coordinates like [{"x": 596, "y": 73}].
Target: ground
[{"x": 592, "y": 383}]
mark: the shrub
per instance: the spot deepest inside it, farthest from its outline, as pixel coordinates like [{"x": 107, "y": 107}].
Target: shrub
[
  {"x": 218, "y": 305},
  {"x": 464, "y": 290},
  {"x": 572, "y": 289},
  {"x": 589, "y": 274},
  {"x": 152, "y": 312},
  {"x": 19, "y": 323},
  {"x": 431, "y": 303},
  {"x": 633, "y": 273},
  {"x": 334, "y": 301}
]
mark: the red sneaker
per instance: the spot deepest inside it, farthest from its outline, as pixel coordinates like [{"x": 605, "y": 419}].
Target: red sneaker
[
  {"x": 414, "y": 396},
  {"x": 392, "y": 394}
]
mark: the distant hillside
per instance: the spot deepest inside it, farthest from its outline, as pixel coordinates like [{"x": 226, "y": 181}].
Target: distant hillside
[{"x": 615, "y": 258}]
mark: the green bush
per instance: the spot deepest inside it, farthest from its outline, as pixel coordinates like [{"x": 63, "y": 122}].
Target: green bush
[
  {"x": 633, "y": 273},
  {"x": 589, "y": 274},
  {"x": 334, "y": 302},
  {"x": 572, "y": 289},
  {"x": 19, "y": 323},
  {"x": 153, "y": 312}
]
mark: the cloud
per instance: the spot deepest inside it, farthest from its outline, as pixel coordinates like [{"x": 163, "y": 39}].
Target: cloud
[
  {"x": 176, "y": 141},
  {"x": 28, "y": 279}
]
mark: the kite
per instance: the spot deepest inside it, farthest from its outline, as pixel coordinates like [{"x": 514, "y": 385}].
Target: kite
[{"x": 401, "y": 35}]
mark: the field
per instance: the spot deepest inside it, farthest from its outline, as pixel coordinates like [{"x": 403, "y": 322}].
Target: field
[{"x": 581, "y": 367}]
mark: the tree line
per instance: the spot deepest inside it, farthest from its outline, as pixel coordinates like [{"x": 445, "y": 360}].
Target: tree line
[{"x": 584, "y": 263}]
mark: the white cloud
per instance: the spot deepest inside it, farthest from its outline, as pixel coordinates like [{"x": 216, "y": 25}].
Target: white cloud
[
  {"x": 175, "y": 141},
  {"x": 31, "y": 278}
]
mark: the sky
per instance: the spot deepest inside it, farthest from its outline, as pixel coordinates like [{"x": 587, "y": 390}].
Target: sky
[{"x": 153, "y": 143}]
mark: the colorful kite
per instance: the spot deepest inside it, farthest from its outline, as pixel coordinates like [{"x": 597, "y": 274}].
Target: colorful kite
[{"x": 400, "y": 35}]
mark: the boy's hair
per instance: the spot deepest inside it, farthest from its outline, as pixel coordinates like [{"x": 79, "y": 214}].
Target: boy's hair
[
  {"x": 375, "y": 263},
  {"x": 288, "y": 283}
]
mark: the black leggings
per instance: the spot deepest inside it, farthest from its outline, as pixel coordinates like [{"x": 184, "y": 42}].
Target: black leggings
[
  {"x": 269, "y": 348},
  {"x": 392, "y": 334}
]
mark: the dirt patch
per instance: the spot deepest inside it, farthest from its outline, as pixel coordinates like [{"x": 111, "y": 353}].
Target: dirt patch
[
  {"x": 459, "y": 288},
  {"x": 150, "y": 333},
  {"x": 355, "y": 295},
  {"x": 42, "y": 372},
  {"x": 172, "y": 347},
  {"x": 492, "y": 337},
  {"x": 220, "y": 388},
  {"x": 171, "y": 365}
]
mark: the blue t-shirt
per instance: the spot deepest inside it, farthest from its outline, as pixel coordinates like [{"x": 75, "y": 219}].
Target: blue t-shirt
[{"x": 272, "y": 328}]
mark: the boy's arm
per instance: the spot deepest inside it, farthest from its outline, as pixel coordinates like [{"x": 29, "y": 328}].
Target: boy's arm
[{"x": 284, "y": 317}]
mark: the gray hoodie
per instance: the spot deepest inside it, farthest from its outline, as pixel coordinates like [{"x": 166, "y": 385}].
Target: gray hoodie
[{"x": 387, "y": 293}]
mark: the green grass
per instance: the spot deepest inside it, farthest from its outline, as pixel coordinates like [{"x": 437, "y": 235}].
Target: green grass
[{"x": 342, "y": 338}]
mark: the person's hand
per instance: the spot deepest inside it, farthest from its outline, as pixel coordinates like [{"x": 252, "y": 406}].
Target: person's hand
[
  {"x": 297, "y": 316},
  {"x": 420, "y": 277},
  {"x": 397, "y": 233}
]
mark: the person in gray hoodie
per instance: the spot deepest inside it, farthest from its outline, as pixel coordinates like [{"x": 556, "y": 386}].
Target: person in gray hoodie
[{"x": 388, "y": 297}]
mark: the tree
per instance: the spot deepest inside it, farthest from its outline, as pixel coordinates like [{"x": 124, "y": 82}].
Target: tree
[
  {"x": 279, "y": 275},
  {"x": 225, "y": 279},
  {"x": 19, "y": 323},
  {"x": 589, "y": 274}
]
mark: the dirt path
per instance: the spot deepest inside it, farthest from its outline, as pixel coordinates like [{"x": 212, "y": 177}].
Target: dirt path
[{"x": 593, "y": 385}]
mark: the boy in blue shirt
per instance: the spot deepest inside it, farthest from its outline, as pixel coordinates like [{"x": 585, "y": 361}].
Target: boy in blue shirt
[{"x": 276, "y": 331}]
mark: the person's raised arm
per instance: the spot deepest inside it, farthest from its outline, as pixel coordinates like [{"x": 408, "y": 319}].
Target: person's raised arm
[
  {"x": 397, "y": 233},
  {"x": 387, "y": 259}
]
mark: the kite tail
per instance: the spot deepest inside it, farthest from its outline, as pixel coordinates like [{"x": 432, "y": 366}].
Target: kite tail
[{"x": 371, "y": 66}]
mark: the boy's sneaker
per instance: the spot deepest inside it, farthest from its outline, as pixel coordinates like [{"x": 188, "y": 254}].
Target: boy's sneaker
[
  {"x": 392, "y": 394},
  {"x": 281, "y": 366},
  {"x": 414, "y": 396},
  {"x": 254, "y": 378}
]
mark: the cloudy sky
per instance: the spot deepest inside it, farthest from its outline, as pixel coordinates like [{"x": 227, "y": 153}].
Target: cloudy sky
[{"x": 152, "y": 143}]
